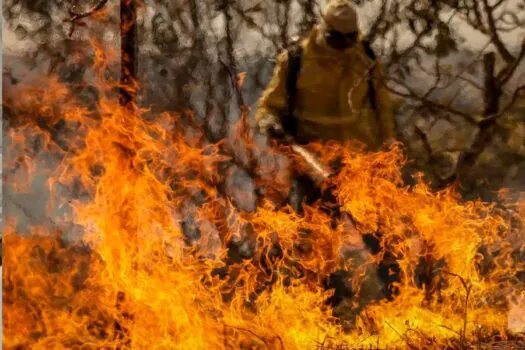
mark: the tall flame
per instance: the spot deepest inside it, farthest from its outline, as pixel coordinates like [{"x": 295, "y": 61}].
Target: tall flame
[{"x": 155, "y": 267}]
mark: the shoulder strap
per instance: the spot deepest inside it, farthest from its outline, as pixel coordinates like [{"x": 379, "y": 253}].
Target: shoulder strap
[
  {"x": 368, "y": 50},
  {"x": 295, "y": 52},
  {"x": 371, "y": 87}
]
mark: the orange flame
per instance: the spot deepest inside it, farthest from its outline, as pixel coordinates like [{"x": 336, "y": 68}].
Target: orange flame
[{"x": 136, "y": 280}]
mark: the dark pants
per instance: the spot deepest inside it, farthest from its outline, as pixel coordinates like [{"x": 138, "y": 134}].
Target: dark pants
[{"x": 305, "y": 191}]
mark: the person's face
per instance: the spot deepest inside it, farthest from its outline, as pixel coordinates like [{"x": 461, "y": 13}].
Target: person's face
[{"x": 339, "y": 40}]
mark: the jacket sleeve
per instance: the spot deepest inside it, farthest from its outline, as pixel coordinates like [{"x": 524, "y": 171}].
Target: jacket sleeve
[
  {"x": 384, "y": 105},
  {"x": 273, "y": 101}
]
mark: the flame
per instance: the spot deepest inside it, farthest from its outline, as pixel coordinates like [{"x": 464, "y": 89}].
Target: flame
[{"x": 155, "y": 267}]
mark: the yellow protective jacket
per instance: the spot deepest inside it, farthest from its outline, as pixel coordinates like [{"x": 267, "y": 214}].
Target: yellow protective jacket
[{"x": 332, "y": 101}]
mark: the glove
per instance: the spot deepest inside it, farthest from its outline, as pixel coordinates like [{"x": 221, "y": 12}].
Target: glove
[{"x": 271, "y": 125}]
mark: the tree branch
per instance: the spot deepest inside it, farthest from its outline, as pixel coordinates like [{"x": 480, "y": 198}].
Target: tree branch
[
  {"x": 415, "y": 96},
  {"x": 377, "y": 22},
  {"x": 505, "y": 75},
  {"x": 520, "y": 90},
  {"x": 511, "y": 19},
  {"x": 493, "y": 32},
  {"x": 253, "y": 25},
  {"x": 479, "y": 19},
  {"x": 76, "y": 17},
  {"x": 492, "y": 87}
]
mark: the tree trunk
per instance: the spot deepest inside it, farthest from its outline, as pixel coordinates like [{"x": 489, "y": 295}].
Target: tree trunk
[
  {"x": 492, "y": 88},
  {"x": 128, "y": 48},
  {"x": 286, "y": 23},
  {"x": 487, "y": 126},
  {"x": 231, "y": 64}
]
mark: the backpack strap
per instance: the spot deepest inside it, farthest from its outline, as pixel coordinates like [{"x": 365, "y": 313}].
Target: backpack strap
[
  {"x": 295, "y": 52},
  {"x": 371, "y": 87}
]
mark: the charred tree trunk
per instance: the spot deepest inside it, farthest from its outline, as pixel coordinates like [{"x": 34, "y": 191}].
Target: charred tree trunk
[
  {"x": 231, "y": 63},
  {"x": 487, "y": 126},
  {"x": 492, "y": 88},
  {"x": 286, "y": 23},
  {"x": 129, "y": 48}
]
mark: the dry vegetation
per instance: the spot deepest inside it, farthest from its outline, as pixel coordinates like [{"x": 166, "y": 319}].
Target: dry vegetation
[{"x": 178, "y": 208}]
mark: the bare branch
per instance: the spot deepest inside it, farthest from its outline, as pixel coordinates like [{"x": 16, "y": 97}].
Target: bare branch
[
  {"x": 261, "y": 338},
  {"x": 505, "y": 75},
  {"x": 396, "y": 56},
  {"x": 377, "y": 22},
  {"x": 498, "y": 4},
  {"x": 402, "y": 336},
  {"x": 460, "y": 75},
  {"x": 479, "y": 20},
  {"x": 426, "y": 142},
  {"x": 519, "y": 91},
  {"x": 468, "y": 288},
  {"x": 493, "y": 32},
  {"x": 437, "y": 80},
  {"x": 76, "y": 17},
  {"x": 510, "y": 18},
  {"x": 450, "y": 329},
  {"x": 415, "y": 96},
  {"x": 252, "y": 24}
]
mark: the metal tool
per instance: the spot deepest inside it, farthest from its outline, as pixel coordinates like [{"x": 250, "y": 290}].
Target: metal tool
[{"x": 314, "y": 163}]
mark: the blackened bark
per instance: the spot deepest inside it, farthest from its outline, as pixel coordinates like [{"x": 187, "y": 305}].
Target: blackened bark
[
  {"x": 128, "y": 47},
  {"x": 492, "y": 88},
  {"x": 230, "y": 50},
  {"x": 286, "y": 23},
  {"x": 75, "y": 17},
  {"x": 487, "y": 126}
]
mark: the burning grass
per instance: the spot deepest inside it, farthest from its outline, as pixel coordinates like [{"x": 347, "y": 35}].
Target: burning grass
[{"x": 155, "y": 269}]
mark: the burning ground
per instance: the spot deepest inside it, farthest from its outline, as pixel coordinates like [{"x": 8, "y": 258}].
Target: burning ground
[{"x": 145, "y": 247}]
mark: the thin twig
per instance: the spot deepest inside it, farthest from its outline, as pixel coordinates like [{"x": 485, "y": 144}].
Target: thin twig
[
  {"x": 450, "y": 329},
  {"x": 75, "y": 17},
  {"x": 413, "y": 95},
  {"x": 468, "y": 288},
  {"x": 372, "y": 33},
  {"x": 403, "y": 337},
  {"x": 254, "y": 334},
  {"x": 502, "y": 49},
  {"x": 506, "y": 74},
  {"x": 492, "y": 118}
]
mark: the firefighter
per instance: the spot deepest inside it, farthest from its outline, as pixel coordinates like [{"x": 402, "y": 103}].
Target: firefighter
[
  {"x": 333, "y": 90},
  {"x": 329, "y": 86}
]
